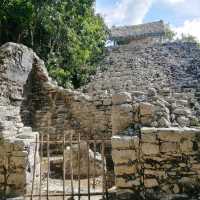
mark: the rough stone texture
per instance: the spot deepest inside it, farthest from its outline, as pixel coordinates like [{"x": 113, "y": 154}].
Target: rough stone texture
[
  {"x": 29, "y": 99},
  {"x": 155, "y": 86},
  {"x": 168, "y": 67},
  {"x": 168, "y": 167},
  {"x": 154, "y": 153},
  {"x": 152, "y": 111},
  {"x": 17, "y": 147},
  {"x": 139, "y": 35}
]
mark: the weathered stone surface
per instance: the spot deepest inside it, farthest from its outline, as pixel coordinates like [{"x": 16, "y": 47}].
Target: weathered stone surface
[
  {"x": 125, "y": 169},
  {"x": 172, "y": 100},
  {"x": 150, "y": 149},
  {"x": 150, "y": 183},
  {"x": 122, "y": 117},
  {"x": 168, "y": 147},
  {"x": 183, "y": 121},
  {"x": 161, "y": 161},
  {"x": 123, "y": 156},
  {"x": 121, "y": 98},
  {"x": 122, "y": 183},
  {"x": 150, "y": 138},
  {"x": 186, "y": 146},
  {"x": 146, "y": 109},
  {"x": 170, "y": 135},
  {"x": 163, "y": 122},
  {"x": 124, "y": 142}
]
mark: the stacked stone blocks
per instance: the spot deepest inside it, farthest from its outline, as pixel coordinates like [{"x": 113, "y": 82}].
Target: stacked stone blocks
[{"x": 164, "y": 158}]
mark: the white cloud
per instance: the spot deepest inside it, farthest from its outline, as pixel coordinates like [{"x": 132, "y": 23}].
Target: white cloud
[
  {"x": 126, "y": 12},
  {"x": 175, "y": 1},
  {"x": 191, "y": 27}
]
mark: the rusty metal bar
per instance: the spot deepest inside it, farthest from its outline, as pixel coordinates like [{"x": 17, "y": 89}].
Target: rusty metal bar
[
  {"x": 48, "y": 168},
  {"x": 71, "y": 165},
  {"x": 88, "y": 167},
  {"x": 79, "y": 167},
  {"x": 41, "y": 156},
  {"x": 103, "y": 169},
  {"x": 64, "y": 167},
  {"x": 94, "y": 174},
  {"x": 35, "y": 156}
]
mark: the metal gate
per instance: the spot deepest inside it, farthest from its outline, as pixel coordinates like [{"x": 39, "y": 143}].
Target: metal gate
[{"x": 67, "y": 180}]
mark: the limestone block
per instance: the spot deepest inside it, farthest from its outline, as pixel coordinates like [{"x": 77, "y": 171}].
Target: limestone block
[
  {"x": 18, "y": 162},
  {"x": 149, "y": 138},
  {"x": 182, "y": 102},
  {"x": 150, "y": 149},
  {"x": 17, "y": 179},
  {"x": 5, "y": 148},
  {"x": 157, "y": 173},
  {"x": 19, "y": 153},
  {"x": 124, "y": 142},
  {"x": 186, "y": 146},
  {"x": 123, "y": 183},
  {"x": 176, "y": 189},
  {"x": 121, "y": 98},
  {"x": 150, "y": 183},
  {"x": 146, "y": 109},
  {"x": 148, "y": 130},
  {"x": 125, "y": 169},
  {"x": 169, "y": 134},
  {"x": 121, "y": 117},
  {"x": 169, "y": 147},
  {"x": 182, "y": 111},
  {"x": 123, "y": 156}
]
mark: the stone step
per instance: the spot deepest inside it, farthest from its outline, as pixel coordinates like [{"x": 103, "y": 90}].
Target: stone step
[{"x": 25, "y": 129}]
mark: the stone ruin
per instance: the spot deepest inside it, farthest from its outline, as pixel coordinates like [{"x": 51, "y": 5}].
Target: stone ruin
[
  {"x": 139, "y": 35},
  {"x": 144, "y": 98}
]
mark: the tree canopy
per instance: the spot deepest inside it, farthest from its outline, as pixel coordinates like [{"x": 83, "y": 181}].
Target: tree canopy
[{"x": 67, "y": 34}]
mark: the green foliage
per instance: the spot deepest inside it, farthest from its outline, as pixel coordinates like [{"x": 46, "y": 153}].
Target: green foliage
[
  {"x": 189, "y": 38},
  {"x": 169, "y": 33},
  {"x": 67, "y": 34}
]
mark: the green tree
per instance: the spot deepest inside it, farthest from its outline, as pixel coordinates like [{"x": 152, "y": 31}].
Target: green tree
[
  {"x": 67, "y": 34},
  {"x": 188, "y": 38},
  {"x": 169, "y": 33}
]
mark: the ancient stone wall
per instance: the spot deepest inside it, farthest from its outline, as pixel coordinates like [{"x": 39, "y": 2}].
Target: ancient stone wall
[
  {"x": 31, "y": 100},
  {"x": 17, "y": 163},
  {"x": 146, "y": 41},
  {"x": 159, "y": 161},
  {"x": 162, "y": 66},
  {"x": 54, "y": 110},
  {"x": 149, "y": 158},
  {"x": 163, "y": 85},
  {"x": 17, "y": 145}
]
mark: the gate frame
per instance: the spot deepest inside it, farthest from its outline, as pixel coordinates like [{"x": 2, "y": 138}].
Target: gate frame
[{"x": 42, "y": 142}]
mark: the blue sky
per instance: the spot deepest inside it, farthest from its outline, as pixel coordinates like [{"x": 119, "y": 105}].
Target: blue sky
[{"x": 182, "y": 15}]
